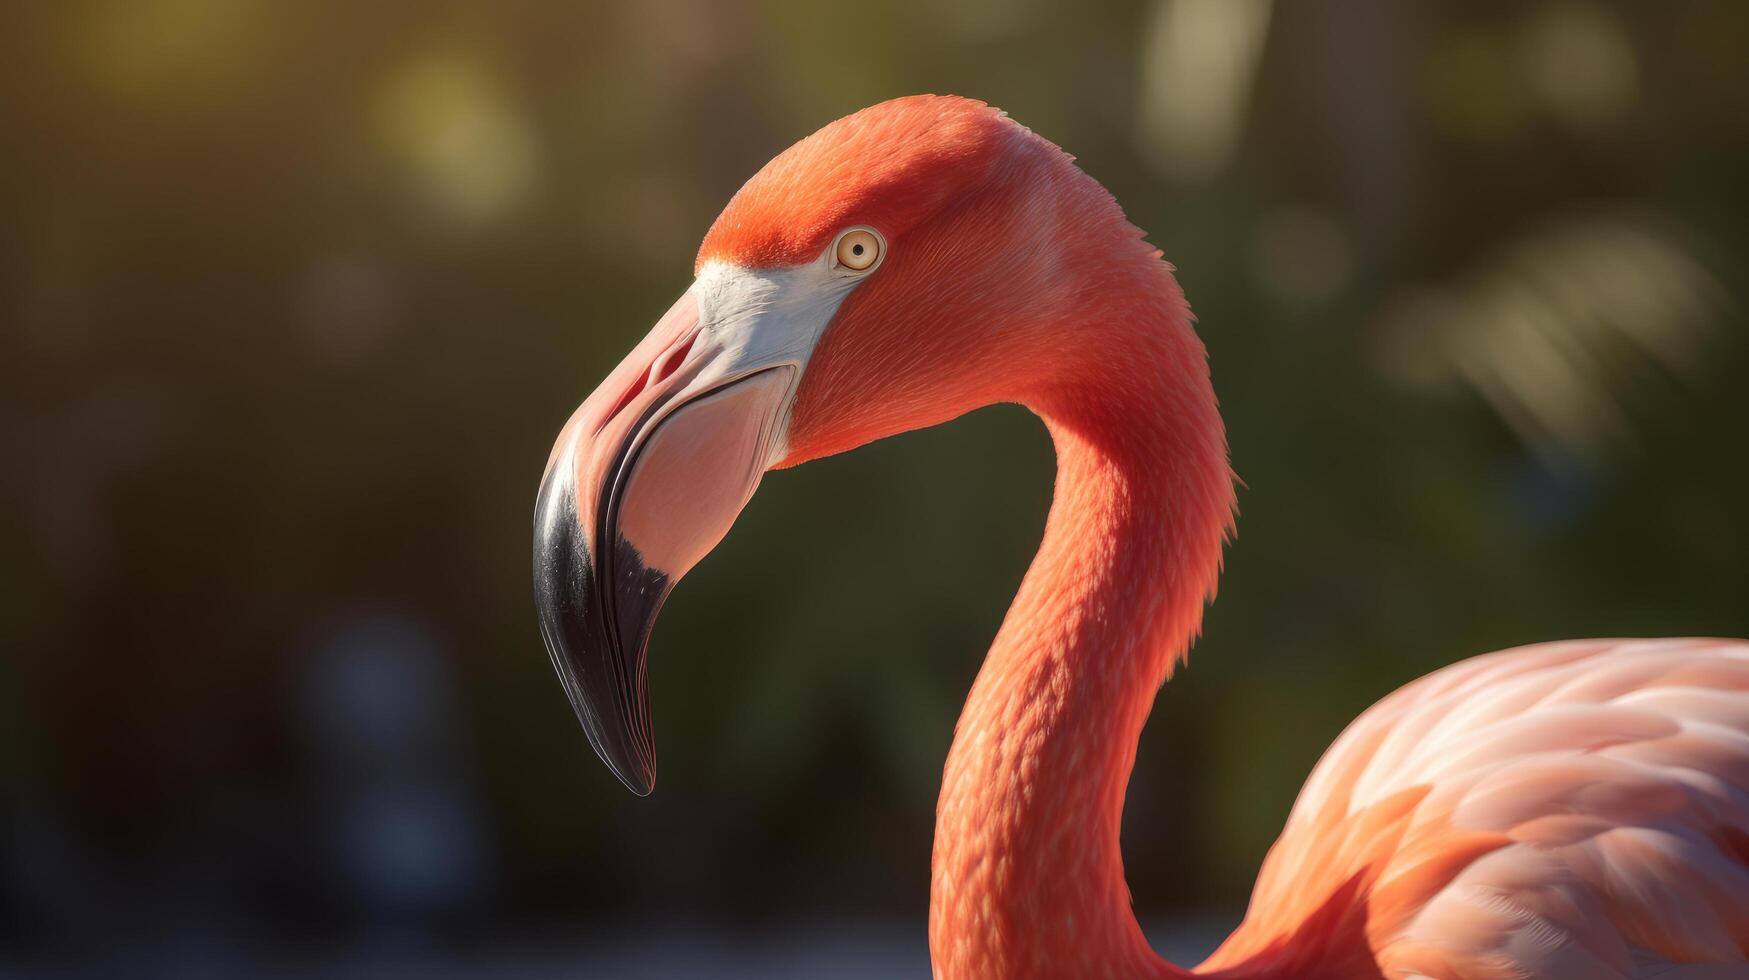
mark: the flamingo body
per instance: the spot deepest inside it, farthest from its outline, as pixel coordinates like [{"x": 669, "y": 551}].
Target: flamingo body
[
  {"x": 1574, "y": 809},
  {"x": 1569, "y": 811}
]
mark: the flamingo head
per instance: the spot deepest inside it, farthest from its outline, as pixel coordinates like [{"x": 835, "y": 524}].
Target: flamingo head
[{"x": 899, "y": 267}]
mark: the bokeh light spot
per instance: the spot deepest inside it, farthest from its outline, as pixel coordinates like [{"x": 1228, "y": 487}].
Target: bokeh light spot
[{"x": 452, "y": 123}]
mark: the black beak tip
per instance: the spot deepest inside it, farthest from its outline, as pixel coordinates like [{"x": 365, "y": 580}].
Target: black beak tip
[
  {"x": 616, "y": 739},
  {"x": 640, "y": 783},
  {"x": 604, "y": 688}
]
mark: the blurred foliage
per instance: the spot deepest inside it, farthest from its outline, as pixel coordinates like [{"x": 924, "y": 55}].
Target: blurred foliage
[{"x": 296, "y": 296}]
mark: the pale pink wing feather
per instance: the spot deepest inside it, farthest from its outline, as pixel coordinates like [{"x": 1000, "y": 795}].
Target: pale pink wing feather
[{"x": 1575, "y": 809}]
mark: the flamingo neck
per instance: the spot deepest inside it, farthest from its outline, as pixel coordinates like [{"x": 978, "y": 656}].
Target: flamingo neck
[{"x": 1028, "y": 875}]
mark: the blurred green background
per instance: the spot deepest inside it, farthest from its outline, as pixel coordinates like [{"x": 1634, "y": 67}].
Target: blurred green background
[{"x": 295, "y": 297}]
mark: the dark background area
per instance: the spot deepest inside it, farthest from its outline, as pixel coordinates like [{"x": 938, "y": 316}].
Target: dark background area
[{"x": 294, "y": 298}]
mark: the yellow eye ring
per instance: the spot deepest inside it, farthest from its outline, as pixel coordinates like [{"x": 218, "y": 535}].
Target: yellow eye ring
[{"x": 858, "y": 249}]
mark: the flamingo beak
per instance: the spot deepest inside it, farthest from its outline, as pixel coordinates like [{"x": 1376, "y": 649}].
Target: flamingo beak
[{"x": 644, "y": 480}]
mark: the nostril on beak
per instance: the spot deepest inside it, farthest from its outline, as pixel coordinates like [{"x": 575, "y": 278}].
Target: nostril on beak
[
  {"x": 667, "y": 365},
  {"x": 659, "y": 371},
  {"x": 619, "y": 405}
]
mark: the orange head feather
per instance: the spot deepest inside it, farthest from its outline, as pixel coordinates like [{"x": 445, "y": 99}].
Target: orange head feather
[{"x": 1004, "y": 262}]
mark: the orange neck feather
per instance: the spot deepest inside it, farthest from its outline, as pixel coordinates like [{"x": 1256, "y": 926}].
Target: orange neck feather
[{"x": 1028, "y": 877}]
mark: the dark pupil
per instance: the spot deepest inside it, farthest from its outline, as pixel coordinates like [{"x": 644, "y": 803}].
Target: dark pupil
[{"x": 856, "y": 249}]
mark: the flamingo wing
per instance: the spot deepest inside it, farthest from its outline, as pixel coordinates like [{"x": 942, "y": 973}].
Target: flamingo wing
[{"x": 1576, "y": 809}]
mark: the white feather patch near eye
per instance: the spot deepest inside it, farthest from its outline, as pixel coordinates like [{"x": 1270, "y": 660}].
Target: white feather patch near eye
[{"x": 752, "y": 319}]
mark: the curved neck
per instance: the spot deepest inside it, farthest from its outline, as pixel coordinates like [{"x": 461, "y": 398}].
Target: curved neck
[{"x": 1028, "y": 876}]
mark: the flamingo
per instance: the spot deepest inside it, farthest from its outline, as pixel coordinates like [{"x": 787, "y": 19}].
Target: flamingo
[{"x": 1567, "y": 810}]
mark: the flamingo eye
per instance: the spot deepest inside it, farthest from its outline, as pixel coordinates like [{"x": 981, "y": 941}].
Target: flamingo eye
[{"x": 858, "y": 249}]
